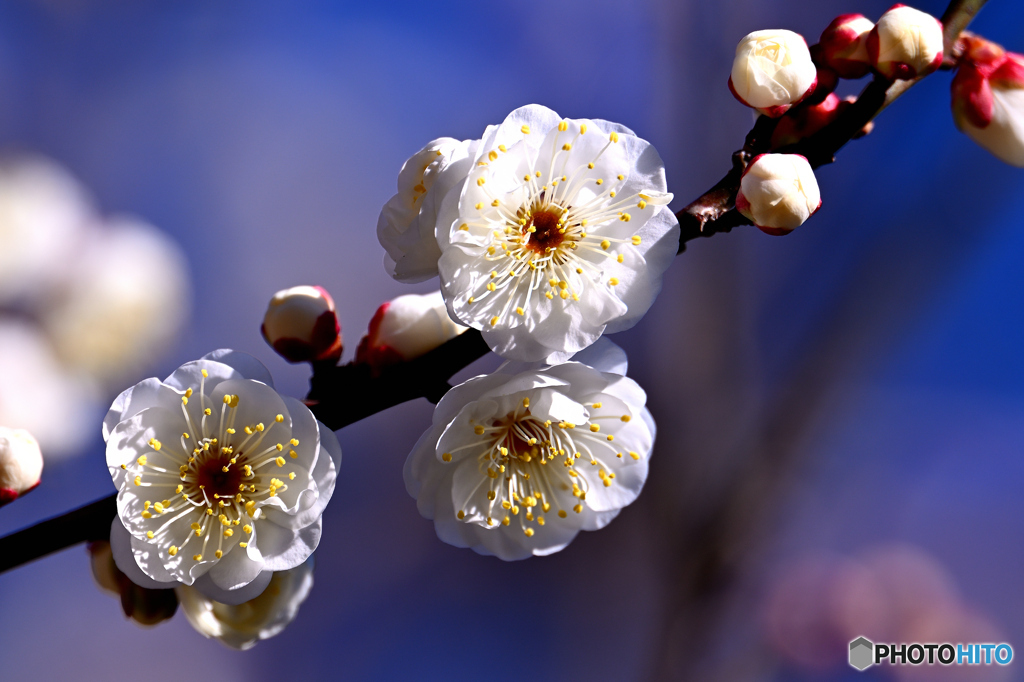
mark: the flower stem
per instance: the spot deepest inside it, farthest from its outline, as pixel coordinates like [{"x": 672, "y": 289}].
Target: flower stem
[{"x": 91, "y": 522}]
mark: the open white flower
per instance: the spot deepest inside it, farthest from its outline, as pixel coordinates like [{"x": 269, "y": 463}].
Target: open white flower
[
  {"x": 560, "y": 233},
  {"x": 406, "y": 328},
  {"x": 243, "y": 625},
  {"x": 406, "y": 224},
  {"x": 21, "y": 463},
  {"x": 123, "y": 301},
  {"x": 516, "y": 463},
  {"x": 221, "y": 480},
  {"x": 772, "y": 71}
]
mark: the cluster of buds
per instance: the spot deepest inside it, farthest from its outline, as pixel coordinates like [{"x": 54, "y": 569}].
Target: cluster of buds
[
  {"x": 988, "y": 98},
  {"x": 775, "y": 73},
  {"x": 21, "y": 464}
]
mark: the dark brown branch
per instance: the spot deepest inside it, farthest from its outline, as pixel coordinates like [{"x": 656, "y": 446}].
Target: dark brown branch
[{"x": 342, "y": 395}]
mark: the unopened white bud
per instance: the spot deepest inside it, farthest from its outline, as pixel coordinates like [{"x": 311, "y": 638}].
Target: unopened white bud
[
  {"x": 905, "y": 43},
  {"x": 406, "y": 328},
  {"x": 778, "y": 192},
  {"x": 844, "y": 45},
  {"x": 302, "y": 326},
  {"x": 772, "y": 71},
  {"x": 988, "y": 99},
  {"x": 21, "y": 463}
]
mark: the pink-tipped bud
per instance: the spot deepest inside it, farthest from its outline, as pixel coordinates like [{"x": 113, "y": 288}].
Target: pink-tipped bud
[
  {"x": 844, "y": 45},
  {"x": 778, "y": 192},
  {"x": 988, "y": 99},
  {"x": 302, "y": 326},
  {"x": 905, "y": 43},
  {"x": 21, "y": 463},
  {"x": 406, "y": 328},
  {"x": 772, "y": 71},
  {"x": 806, "y": 120}
]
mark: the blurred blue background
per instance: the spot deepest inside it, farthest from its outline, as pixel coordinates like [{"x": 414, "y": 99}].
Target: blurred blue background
[{"x": 857, "y": 384}]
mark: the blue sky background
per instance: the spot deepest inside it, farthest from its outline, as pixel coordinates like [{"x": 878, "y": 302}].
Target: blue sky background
[{"x": 882, "y": 339}]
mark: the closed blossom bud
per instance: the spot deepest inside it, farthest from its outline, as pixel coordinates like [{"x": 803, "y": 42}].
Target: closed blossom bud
[
  {"x": 905, "y": 43},
  {"x": 21, "y": 463},
  {"x": 406, "y": 328},
  {"x": 302, "y": 325},
  {"x": 772, "y": 71},
  {"x": 988, "y": 99},
  {"x": 778, "y": 192},
  {"x": 806, "y": 120},
  {"x": 844, "y": 45}
]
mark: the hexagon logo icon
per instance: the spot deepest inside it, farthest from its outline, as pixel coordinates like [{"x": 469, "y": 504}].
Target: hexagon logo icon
[{"x": 862, "y": 653}]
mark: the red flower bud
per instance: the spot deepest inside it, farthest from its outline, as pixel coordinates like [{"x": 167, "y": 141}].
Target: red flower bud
[{"x": 302, "y": 326}]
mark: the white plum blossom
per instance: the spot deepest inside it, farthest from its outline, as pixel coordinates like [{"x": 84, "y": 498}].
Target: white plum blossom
[
  {"x": 844, "y": 45},
  {"x": 406, "y": 328},
  {"x": 517, "y": 462},
  {"x": 778, "y": 192},
  {"x": 243, "y": 625},
  {"x": 772, "y": 71},
  {"x": 221, "y": 481},
  {"x": 559, "y": 233},
  {"x": 39, "y": 395},
  {"x": 988, "y": 99},
  {"x": 406, "y": 226},
  {"x": 21, "y": 463},
  {"x": 301, "y": 324},
  {"x": 121, "y": 304},
  {"x": 906, "y": 43},
  {"x": 43, "y": 214}
]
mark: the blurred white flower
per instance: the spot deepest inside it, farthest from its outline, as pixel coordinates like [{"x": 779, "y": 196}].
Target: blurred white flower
[
  {"x": 906, "y": 43},
  {"x": 772, "y": 71},
  {"x": 406, "y": 226},
  {"x": 406, "y": 328},
  {"x": 21, "y": 463},
  {"x": 988, "y": 99},
  {"x": 221, "y": 480},
  {"x": 301, "y": 324},
  {"x": 243, "y": 625},
  {"x": 778, "y": 192},
  {"x": 844, "y": 45},
  {"x": 36, "y": 394},
  {"x": 43, "y": 211},
  {"x": 516, "y": 463},
  {"x": 123, "y": 300},
  {"x": 559, "y": 233}
]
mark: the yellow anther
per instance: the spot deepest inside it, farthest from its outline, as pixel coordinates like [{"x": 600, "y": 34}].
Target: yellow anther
[
  {"x": 642, "y": 204},
  {"x": 279, "y": 418},
  {"x": 625, "y": 417},
  {"x": 505, "y": 521},
  {"x": 228, "y": 532},
  {"x": 197, "y": 557},
  {"x": 495, "y": 203},
  {"x": 480, "y": 181},
  {"x": 595, "y": 428},
  {"x": 491, "y": 495},
  {"x": 590, "y": 166},
  {"x": 519, "y": 311},
  {"x": 159, "y": 508},
  {"x": 247, "y": 529},
  {"x": 146, "y": 515},
  {"x": 260, "y": 427},
  {"x": 172, "y": 550},
  {"x": 634, "y": 455},
  {"x": 227, "y": 399},
  {"x": 563, "y": 126},
  {"x": 502, "y": 147},
  {"x": 605, "y": 244},
  {"x": 549, "y": 295},
  {"x": 620, "y": 258},
  {"x": 291, "y": 476},
  {"x": 599, "y": 181},
  {"x": 464, "y": 227},
  {"x": 195, "y": 526},
  {"x": 625, "y": 217},
  {"x": 566, "y": 147},
  {"x": 280, "y": 447},
  {"x": 207, "y": 411},
  {"x": 294, "y": 441},
  {"x": 492, "y": 155},
  {"x": 525, "y": 129},
  {"x": 447, "y": 457},
  {"x": 218, "y": 554},
  {"x": 138, "y": 480},
  {"x": 562, "y": 514},
  {"x": 124, "y": 466},
  {"x": 494, "y": 320},
  {"x": 234, "y": 401},
  {"x": 636, "y": 240},
  {"x": 506, "y": 504},
  {"x": 613, "y": 281},
  {"x": 610, "y": 437},
  {"x": 478, "y": 430},
  {"x": 614, "y": 137},
  {"x": 141, "y": 461},
  {"x": 528, "y": 532},
  {"x": 209, "y": 512},
  {"x": 243, "y": 545},
  {"x": 479, "y": 205}
]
